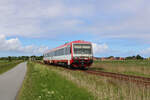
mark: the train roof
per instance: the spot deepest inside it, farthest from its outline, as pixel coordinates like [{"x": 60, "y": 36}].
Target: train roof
[{"x": 78, "y": 41}]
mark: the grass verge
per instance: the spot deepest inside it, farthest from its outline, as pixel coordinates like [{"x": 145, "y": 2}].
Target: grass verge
[
  {"x": 104, "y": 88},
  {"x": 129, "y": 67},
  {"x": 5, "y": 65},
  {"x": 42, "y": 83}
]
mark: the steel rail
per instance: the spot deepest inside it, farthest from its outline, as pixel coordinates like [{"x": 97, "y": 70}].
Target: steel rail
[{"x": 136, "y": 79}]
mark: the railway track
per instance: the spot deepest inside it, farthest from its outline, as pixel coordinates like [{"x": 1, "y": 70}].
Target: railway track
[
  {"x": 143, "y": 81},
  {"x": 130, "y": 78}
]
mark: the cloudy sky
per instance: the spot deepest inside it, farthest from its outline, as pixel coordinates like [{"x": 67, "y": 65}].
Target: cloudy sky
[{"x": 115, "y": 27}]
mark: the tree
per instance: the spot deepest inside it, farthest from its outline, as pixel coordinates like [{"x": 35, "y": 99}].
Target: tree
[
  {"x": 9, "y": 58},
  {"x": 139, "y": 57},
  {"x": 110, "y": 57}
]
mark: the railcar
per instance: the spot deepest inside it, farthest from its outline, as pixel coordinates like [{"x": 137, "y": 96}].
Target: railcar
[{"x": 75, "y": 54}]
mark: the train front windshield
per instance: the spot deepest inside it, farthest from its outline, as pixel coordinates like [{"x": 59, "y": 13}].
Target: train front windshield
[{"x": 82, "y": 49}]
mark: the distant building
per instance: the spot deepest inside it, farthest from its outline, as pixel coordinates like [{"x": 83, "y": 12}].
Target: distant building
[
  {"x": 102, "y": 59},
  {"x": 96, "y": 58},
  {"x": 108, "y": 58},
  {"x": 121, "y": 58}
]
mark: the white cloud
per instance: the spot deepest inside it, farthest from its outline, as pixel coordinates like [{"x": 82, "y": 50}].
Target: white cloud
[
  {"x": 32, "y": 18},
  {"x": 100, "y": 48},
  {"x": 113, "y": 19},
  {"x": 107, "y": 19},
  {"x": 145, "y": 52},
  {"x": 14, "y": 45},
  {"x": 127, "y": 19},
  {"x": 127, "y": 6}
]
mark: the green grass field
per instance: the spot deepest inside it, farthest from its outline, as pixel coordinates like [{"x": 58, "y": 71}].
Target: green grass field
[
  {"x": 42, "y": 83},
  {"x": 6, "y": 65},
  {"x": 45, "y": 82},
  {"x": 130, "y": 67}
]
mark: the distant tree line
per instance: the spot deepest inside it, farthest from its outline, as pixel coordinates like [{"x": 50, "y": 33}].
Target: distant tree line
[
  {"x": 137, "y": 57},
  {"x": 10, "y": 58}
]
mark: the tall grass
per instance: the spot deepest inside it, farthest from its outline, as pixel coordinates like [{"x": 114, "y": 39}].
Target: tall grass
[
  {"x": 6, "y": 65},
  {"x": 105, "y": 88},
  {"x": 130, "y": 67},
  {"x": 42, "y": 83}
]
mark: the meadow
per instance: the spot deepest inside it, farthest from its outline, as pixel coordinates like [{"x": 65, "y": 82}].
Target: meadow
[
  {"x": 6, "y": 65},
  {"x": 46, "y": 82},
  {"x": 42, "y": 83},
  {"x": 129, "y": 67}
]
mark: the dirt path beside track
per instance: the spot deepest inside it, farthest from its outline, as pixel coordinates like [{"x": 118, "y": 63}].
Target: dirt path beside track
[{"x": 11, "y": 81}]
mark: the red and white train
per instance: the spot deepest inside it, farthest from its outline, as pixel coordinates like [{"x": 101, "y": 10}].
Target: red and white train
[{"x": 77, "y": 54}]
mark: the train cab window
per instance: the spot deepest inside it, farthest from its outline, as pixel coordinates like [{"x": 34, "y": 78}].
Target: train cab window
[{"x": 82, "y": 49}]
